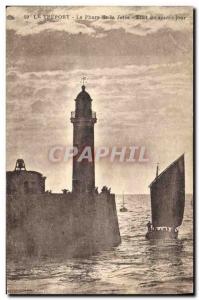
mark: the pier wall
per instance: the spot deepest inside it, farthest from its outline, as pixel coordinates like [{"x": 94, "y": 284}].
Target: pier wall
[{"x": 65, "y": 225}]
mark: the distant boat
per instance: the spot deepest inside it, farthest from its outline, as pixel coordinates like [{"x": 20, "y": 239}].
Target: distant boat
[
  {"x": 123, "y": 208},
  {"x": 167, "y": 201}
]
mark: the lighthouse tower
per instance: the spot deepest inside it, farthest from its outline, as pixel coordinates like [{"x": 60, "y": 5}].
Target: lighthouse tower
[{"x": 83, "y": 119}]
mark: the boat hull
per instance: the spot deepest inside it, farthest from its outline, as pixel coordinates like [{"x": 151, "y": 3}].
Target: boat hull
[{"x": 161, "y": 234}]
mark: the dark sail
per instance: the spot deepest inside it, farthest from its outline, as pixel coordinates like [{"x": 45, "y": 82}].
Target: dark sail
[{"x": 168, "y": 195}]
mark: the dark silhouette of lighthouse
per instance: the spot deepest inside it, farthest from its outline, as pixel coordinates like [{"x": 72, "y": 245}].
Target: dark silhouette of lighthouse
[{"x": 83, "y": 119}]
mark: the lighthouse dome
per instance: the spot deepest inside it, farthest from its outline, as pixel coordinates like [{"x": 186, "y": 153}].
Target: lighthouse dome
[
  {"x": 83, "y": 94},
  {"x": 83, "y": 104}
]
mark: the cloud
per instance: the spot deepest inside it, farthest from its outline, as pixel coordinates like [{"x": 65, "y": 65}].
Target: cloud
[
  {"x": 146, "y": 91},
  {"x": 32, "y": 24},
  {"x": 12, "y": 76},
  {"x": 38, "y": 106},
  {"x": 92, "y": 19},
  {"x": 128, "y": 104},
  {"x": 139, "y": 77},
  {"x": 157, "y": 19},
  {"x": 52, "y": 51}
]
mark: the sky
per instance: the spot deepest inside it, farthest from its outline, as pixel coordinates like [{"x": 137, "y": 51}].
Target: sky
[{"x": 139, "y": 75}]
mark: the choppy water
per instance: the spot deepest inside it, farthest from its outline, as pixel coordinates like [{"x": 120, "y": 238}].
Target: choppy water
[{"x": 137, "y": 266}]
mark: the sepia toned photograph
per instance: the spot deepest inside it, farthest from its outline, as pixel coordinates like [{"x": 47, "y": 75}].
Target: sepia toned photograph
[{"x": 99, "y": 150}]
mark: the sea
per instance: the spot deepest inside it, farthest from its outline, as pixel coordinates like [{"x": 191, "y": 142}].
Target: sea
[{"x": 137, "y": 266}]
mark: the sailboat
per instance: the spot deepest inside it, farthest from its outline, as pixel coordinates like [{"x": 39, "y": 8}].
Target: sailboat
[
  {"x": 123, "y": 208},
  {"x": 167, "y": 201}
]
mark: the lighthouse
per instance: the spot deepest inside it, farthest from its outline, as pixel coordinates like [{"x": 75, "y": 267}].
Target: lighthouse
[
  {"x": 84, "y": 221},
  {"x": 83, "y": 119}
]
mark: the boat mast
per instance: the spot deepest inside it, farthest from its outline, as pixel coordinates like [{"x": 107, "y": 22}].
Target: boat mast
[{"x": 157, "y": 169}]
